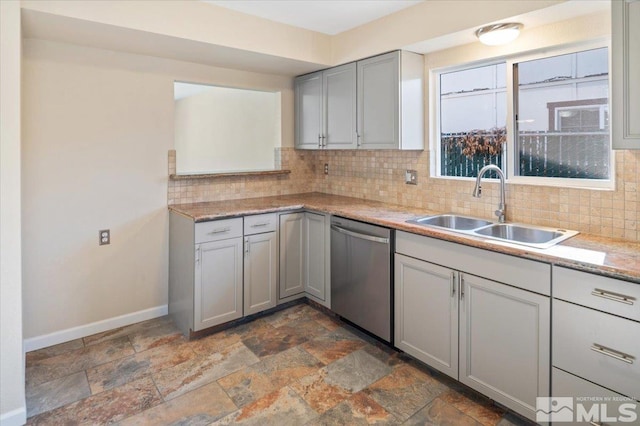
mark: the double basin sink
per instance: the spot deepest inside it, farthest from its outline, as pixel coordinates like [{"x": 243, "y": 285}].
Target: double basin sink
[{"x": 528, "y": 235}]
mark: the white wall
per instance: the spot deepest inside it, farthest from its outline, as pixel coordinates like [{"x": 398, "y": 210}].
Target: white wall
[
  {"x": 97, "y": 128},
  {"x": 184, "y": 20},
  {"x": 12, "y": 401}
]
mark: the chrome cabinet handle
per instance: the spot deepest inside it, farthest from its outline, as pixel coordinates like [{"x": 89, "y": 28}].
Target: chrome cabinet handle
[
  {"x": 461, "y": 282},
  {"x": 453, "y": 284},
  {"x": 220, "y": 230},
  {"x": 616, "y": 297},
  {"x": 198, "y": 254},
  {"x": 246, "y": 246},
  {"x": 358, "y": 142},
  {"x": 259, "y": 225},
  {"x": 324, "y": 140},
  {"x": 319, "y": 141},
  {"x": 612, "y": 353}
]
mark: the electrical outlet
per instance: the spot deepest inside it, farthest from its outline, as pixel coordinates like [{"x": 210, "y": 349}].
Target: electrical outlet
[
  {"x": 326, "y": 168},
  {"x": 411, "y": 177},
  {"x": 104, "y": 237}
]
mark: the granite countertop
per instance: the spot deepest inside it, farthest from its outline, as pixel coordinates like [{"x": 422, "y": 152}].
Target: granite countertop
[{"x": 590, "y": 253}]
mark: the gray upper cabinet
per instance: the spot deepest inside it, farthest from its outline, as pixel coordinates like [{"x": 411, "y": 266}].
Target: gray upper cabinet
[
  {"x": 339, "y": 108},
  {"x": 625, "y": 57},
  {"x": 378, "y": 102},
  {"x": 375, "y": 103},
  {"x": 391, "y": 101},
  {"x": 308, "y": 93},
  {"x": 326, "y": 109}
]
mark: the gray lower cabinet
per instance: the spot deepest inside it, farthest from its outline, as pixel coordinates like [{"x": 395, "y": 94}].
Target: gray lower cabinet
[
  {"x": 291, "y": 255},
  {"x": 492, "y": 336},
  {"x": 218, "y": 283},
  {"x": 260, "y": 263},
  {"x": 205, "y": 272},
  {"x": 504, "y": 342},
  {"x": 221, "y": 270},
  {"x": 596, "y": 339},
  {"x": 426, "y": 313},
  {"x": 304, "y": 257},
  {"x": 593, "y": 404},
  {"x": 316, "y": 244}
]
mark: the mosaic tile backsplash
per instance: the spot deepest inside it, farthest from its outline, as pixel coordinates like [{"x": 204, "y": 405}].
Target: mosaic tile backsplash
[{"x": 379, "y": 175}]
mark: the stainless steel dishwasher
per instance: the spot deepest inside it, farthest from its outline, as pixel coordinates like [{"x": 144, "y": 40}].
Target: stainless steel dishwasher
[{"x": 361, "y": 275}]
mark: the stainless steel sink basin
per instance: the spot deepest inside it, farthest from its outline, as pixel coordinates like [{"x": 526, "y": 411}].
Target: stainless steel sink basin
[
  {"x": 528, "y": 235},
  {"x": 451, "y": 221}
]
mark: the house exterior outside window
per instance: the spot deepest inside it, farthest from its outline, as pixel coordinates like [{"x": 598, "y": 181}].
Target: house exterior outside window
[{"x": 556, "y": 107}]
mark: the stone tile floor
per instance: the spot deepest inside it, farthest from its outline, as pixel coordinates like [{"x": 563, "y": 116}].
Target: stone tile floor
[{"x": 294, "y": 367}]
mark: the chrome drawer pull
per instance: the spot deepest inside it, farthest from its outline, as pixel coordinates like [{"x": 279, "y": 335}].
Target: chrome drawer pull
[
  {"x": 220, "y": 230},
  {"x": 612, "y": 353},
  {"x": 453, "y": 284},
  {"x": 628, "y": 300},
  {"x": 258, "y": 225}
]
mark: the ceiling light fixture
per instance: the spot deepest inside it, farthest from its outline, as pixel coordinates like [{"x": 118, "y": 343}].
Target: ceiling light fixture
[{"x": 497, "y": 34}]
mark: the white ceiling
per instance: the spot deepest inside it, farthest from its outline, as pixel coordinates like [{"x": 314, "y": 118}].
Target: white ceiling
[
  {"x": 568, "y": 10},
  {"x": 324, "y": 16},
  {"x": 49, "y": 26}
]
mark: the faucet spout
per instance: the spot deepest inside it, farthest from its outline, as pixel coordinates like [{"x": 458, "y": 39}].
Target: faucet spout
[{"x": 477, "y": 191}]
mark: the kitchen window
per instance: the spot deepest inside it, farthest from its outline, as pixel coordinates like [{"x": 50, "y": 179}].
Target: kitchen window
[{"x": 542, "y": 119}]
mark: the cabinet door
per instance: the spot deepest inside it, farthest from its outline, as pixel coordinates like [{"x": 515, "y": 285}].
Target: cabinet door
[
  {"x": 308, "y": 92},
  {"x": 260, "y": 265},
  {"x": 291, "y": 254},
  {"x": 625, "y": 57},
  {"x": 504, "y": 343},
  {"x": 218, "y": 283},
  {"x": 339, "y": 89},
  {"x": 426, "y": 313},
  {"x": 315, "y": 255},
  {"x": 378, "y": 102}
]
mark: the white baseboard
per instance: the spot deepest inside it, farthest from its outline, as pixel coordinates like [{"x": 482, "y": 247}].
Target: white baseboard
[
  {"x": 16, "y": 417},
  {"x": 39, "y": 342}
]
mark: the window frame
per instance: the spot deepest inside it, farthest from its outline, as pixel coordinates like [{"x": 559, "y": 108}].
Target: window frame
[{"x": 510, "y": 160}]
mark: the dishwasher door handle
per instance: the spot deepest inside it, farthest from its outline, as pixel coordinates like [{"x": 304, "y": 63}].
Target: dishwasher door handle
[{"x": 359, "y": 235}]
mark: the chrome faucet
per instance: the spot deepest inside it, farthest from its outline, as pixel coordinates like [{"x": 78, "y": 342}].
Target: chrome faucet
[{"x": 477, "y": 191}]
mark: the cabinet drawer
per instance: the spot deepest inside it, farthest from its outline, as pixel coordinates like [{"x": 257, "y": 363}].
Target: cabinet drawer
[
  {"x": 565, "y": 384},
  {"x": 522, "y": 273},
  {"x": 588, "y": 394},
  {"x": 606, "y": 294},
  {"x": 259, "y": 223},
  {"x": 216, "y": 230},
  {"x": 599, "y": 347}
]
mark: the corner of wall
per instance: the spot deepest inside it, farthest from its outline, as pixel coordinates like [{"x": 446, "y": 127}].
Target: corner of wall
[{"x": 12, "y": 395}]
